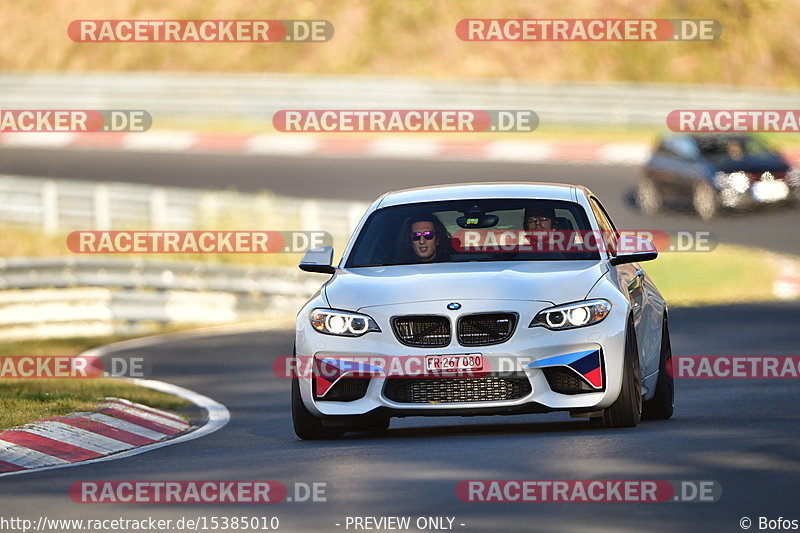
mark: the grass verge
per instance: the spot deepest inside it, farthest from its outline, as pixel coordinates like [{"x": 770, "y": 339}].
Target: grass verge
[
  {"x": 381, "y": 37},
  {"x": 728, "y": 274},
  {"x": 26, "y": 400},
  {"x": 20, "y": 241}
]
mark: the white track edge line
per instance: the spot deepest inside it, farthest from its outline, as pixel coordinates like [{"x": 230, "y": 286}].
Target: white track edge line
[
  {"x": 207, "y": 331},
  {"x": 218, "y": 416},
  {"x": 370, "y": 153}
]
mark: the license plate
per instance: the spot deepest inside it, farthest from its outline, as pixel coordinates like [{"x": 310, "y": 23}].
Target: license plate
[
  {"x": 453, "y": 363},
  {"x": 770, "y": 191}
]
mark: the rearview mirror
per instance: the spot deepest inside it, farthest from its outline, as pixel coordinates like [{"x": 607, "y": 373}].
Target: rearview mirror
[
  {"x": 318, "y": 260},
  {"x": 478, "y": 221},
  {"x": 632, "y": 249}
]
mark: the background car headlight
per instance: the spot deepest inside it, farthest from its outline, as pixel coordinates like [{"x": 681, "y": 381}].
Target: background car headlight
[
  {"x": 342, "y": 323},
  {"x": 574, "y": 315},
  {"x": 738, "y": 181}
]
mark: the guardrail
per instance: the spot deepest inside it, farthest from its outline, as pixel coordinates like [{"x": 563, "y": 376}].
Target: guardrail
[
  {"x": 67, "y": 205},
  {"x": 255, "y": 97},
  {"x": 97, "y": 295},
  {"x": 69, "y": 296}
]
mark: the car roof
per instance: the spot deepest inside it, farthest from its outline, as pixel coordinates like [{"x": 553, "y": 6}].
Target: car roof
[
  {"x": 465, "y": 191},
  {"x": 710, "y": 136}
]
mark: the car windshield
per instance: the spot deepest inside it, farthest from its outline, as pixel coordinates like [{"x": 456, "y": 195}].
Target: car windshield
[
  {"x": 471, "y": 230},
  {"x": 732, "y": 147}
]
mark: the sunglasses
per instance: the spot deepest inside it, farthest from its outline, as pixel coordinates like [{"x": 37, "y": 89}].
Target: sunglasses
[
  {"x": 541, "y": 218},
  {"x": 417, "y": 235}
]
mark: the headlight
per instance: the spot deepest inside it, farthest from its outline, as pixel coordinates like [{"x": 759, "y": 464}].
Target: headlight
[
  {"x": 738, "y": 181},
  {"x": 571, "y": 316},
  {"x": 342, "y": 323}
]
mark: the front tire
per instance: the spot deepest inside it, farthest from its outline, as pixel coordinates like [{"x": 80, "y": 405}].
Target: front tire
[
  {"x": 662, "y": 405},
  {"x": 648, "y": 197},
  {"x": 306, "y": 425},
  {"x": 626, "y": 411},
  {"x": 794, "y": 196},
  {"x": 705, "y": 200}
]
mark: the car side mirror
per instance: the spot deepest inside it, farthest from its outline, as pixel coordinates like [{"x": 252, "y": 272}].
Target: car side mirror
[
  {"x": 632, "y": 249},
  {"x": 318, "y": 260}
]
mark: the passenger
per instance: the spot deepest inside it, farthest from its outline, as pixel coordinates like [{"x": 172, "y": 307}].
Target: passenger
[{"x": 540, "y": 218}]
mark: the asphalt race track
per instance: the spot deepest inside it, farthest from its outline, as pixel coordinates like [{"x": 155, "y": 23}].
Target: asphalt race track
[
  {"x": 743, "y": 434},
  {"x": 365, "y": 180}
]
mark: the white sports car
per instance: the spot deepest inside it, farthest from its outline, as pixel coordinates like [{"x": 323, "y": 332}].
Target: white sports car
[{"x": 482, "y": 299}]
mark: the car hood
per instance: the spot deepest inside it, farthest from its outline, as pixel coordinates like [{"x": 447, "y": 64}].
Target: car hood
[
  {"x": 547, "y": 281},
  {"x": 767, "y": 162}
]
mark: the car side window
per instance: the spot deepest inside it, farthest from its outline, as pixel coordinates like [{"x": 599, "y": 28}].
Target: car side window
[
  {"x": 683, "y": 147},
  {"x": 610, "y": 233},
  {"x": 664, "y": 148}
]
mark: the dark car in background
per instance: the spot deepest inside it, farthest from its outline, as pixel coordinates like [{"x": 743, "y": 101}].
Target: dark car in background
[{"x": 711, "y": 172}]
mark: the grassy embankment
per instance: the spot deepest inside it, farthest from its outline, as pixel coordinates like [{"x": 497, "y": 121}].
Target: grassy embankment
[{"x": 25, "y": 400}]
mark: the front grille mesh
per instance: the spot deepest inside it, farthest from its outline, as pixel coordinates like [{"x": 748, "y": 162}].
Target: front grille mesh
[
  {"x": 453, "y": 390},
  {"x": 485, "y": 329},
  {"x": 422, "y": 331}
]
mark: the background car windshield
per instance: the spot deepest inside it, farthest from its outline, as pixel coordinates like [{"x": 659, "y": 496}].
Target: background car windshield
[
  {"x": 732, "y": 147},
  {"x": 386, "y": 238}
]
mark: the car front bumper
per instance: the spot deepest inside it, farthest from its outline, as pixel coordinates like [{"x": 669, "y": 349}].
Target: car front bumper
[
  {"x": 529, "y": 353},
  {"x": 759, "y": 193}
]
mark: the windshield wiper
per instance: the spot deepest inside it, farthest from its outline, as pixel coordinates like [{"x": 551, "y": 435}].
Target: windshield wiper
[{"x": 375, "y": 265}]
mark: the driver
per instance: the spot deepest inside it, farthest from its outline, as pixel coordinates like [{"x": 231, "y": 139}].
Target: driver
[
  {"x": 735, "y": 150},
  {"x": 427, "y": 238}
]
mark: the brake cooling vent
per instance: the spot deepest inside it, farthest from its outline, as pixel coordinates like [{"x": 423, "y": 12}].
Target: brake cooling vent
[
  {"x": 347, "y": 390},
  {"x": 565, "y": 381}
]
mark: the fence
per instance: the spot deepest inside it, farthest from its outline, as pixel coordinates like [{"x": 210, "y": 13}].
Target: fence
[
  {"x": 67, "y": 205},
  {"x": 256, "y": 97}
]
